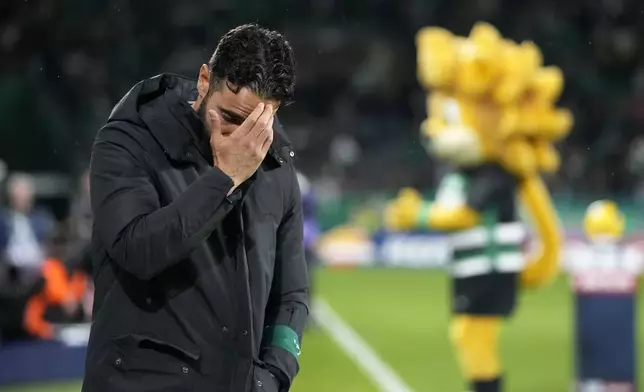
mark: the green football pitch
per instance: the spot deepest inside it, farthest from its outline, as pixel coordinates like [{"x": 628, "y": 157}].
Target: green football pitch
[{"x": 403, "y": 316}]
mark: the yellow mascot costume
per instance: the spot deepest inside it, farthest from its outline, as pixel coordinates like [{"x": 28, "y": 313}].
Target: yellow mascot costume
[{"x": 493, "y": 118}]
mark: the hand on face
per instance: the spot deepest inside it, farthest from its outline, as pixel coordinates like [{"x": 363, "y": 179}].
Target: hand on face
[{"x": 239, "y": 154}]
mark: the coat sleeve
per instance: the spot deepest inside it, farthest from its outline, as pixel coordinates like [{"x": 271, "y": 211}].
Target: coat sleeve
[
  {"x": 140, "y": 235},
  {"x": 287, "y": 311}
]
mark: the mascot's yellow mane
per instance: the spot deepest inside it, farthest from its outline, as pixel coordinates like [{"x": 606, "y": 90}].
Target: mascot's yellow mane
[
  {"x": 503, "y": 92},
  {"x": 491, "y": 100}
]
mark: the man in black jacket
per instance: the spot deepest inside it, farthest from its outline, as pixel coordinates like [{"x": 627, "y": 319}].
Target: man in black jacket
[{"x": 201, "y": 282}]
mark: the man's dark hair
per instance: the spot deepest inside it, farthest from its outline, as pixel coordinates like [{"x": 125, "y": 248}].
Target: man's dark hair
[{"x": 257, "y": 58}]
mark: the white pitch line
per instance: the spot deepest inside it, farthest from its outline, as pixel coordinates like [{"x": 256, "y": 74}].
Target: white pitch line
[{"x": 377, "y": 370}]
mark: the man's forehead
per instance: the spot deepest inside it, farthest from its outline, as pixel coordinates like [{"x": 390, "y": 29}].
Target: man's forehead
[{"x": 241, "y": 101}]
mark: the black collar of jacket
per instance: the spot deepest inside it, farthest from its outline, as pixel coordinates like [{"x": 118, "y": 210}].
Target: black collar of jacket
[{"x": 174, "y": 92}]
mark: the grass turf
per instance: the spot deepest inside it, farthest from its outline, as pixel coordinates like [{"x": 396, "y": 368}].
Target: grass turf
[{"x": 403, "y": 315}]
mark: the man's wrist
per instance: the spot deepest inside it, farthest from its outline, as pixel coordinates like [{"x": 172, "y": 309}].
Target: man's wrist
[{"x": 230, "y": 175}]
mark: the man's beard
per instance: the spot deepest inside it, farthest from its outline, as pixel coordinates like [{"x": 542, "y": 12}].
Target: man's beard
[{"x": 203, "y": 116}]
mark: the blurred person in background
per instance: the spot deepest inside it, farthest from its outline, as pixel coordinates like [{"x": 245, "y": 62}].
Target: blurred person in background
[
  {"x": 24, "y": 228},
  {"x": 58, "y": 298},
  {"x": 200, "y": 275},
  {"x": 311, "y": 231},
  {"x": 32, "y": 280}
]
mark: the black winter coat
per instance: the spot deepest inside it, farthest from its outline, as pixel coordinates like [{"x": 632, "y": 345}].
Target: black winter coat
[{"x": 195, "y": 290}]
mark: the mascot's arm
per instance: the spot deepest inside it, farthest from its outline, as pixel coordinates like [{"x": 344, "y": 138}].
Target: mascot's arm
[
  {"x": 486, "y": 188},
  {"x": 410, "y": 212},
  {"x": 400, "y": 215},
  {"x": 459, "y": 202},
  {"x": 450, "y": 218},
  {"x": 543, "y": 267}
]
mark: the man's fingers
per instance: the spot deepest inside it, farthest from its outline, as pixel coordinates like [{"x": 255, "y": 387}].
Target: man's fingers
[
  {"x": 215, "y": 121},
  {"x": 267, "y": 141},
  {"x": 250, "y": 121},
  {"x": 263, "y": 121},
  {"x": 262, "y": 134},
  {"x": 265, "y": 137}
]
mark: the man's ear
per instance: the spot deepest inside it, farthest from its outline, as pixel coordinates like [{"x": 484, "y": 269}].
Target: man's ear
[{"x": 203, "y": 83}]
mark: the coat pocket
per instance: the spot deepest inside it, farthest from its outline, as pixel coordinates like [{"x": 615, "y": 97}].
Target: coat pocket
[
  {"x": 264, "y": 380},
  {"x": 145, "y": 364}
]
